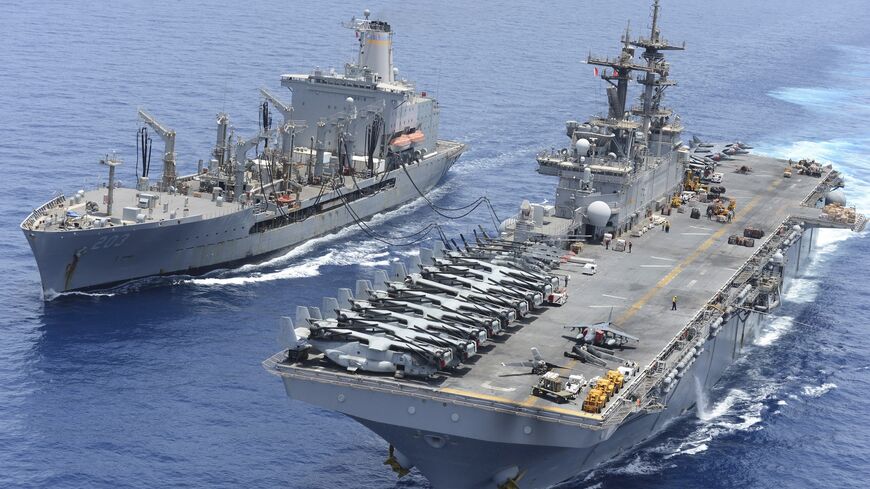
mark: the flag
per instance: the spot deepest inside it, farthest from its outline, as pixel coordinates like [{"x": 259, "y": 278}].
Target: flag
[{"x": 595, "y": 71}]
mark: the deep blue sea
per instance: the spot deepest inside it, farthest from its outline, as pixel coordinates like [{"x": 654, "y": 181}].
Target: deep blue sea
[{"x": 160, "y": 384}]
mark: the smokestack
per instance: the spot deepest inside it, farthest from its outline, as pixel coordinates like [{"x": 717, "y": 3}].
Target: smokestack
[{"x": 376, "y": 47}]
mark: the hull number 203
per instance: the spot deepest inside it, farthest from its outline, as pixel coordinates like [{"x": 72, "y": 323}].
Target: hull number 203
[{"x": 110, "y": 241}]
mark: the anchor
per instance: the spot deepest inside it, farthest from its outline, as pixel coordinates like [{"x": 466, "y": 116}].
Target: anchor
[{"x": 394, "y": 463}]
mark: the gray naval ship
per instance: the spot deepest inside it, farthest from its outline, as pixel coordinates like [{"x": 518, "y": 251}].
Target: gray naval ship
[
  {"x": 584, "y": 327},
  {"x": 350, "y": 146}
]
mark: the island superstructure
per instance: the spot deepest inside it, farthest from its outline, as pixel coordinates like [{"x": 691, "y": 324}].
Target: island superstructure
[
  {"x": 584, "y": 327},
  {"x": 617, "y": 166},
  {"x": 349, "y": 145}
]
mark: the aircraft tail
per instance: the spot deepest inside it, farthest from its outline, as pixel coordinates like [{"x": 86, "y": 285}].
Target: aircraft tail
[
  {"x": 303, "y": 316},
  {"x": 330, "y": 308},
  {"x": 362, "y": 288},
  {"x": 345, "y": 297},
  {"x": 380, "y": 280},
  {"x": 397, "y": 271},
  {"x": 286, "y": 333}
]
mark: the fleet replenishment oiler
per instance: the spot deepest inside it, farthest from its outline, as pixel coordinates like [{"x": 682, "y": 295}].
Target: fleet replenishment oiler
[
  {"x": 364, "y": 137},
  {"x": 581, "y": 329}
]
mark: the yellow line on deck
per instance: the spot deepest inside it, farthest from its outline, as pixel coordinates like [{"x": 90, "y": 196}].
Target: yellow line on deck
[{"x": 637, "y": 306}]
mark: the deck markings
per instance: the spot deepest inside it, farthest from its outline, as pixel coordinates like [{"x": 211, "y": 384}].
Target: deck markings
[
  {"x": 615, "y": 297},
  {"x": 695, "y": 234},
  {"x": 502, "y": 389},
  {"x": 634, "y": 309},
  {"x": 692, "y": 283},
  {"x": 655, "y": 266},
  {"x": 702, "y": 228},
  {"x": 665, "y": 259},
  {"x": 601, "y": 307}
]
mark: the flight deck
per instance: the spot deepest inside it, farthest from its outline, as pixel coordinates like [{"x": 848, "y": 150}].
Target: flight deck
[{"x": 692, "y": 261}]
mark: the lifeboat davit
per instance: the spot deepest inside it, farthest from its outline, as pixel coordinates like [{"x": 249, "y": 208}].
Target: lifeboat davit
[{"x": 400, "y": 143}]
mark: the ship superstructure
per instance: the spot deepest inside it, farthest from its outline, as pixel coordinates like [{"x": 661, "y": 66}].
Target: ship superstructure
[
  {"x": 621, "y": 163},
  {"x": 349, "y": 145},
  {"x": 580, "y": 352}
]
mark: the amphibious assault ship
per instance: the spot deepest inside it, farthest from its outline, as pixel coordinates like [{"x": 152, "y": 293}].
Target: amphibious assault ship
[
  {"x": 583, "y": 328},
  {"x": 350, "y": 145}
]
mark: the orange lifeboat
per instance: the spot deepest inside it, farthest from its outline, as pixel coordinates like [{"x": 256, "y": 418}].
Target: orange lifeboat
[
  {"x": 400, "y": 143},
  {"x": 417, "y": 137},
  {"x": 284, "y": 199}
]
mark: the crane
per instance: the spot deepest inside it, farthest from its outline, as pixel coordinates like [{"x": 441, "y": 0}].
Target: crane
[
  {"x": 289, "y": 128},
  {"x": 220, "y": 148},
  {"x": 242, "y": 148},
  {"x": 168, "y": 137}
]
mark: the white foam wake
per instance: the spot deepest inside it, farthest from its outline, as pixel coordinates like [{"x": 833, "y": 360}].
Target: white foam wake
[
  {"x": 52, "y": 295},
  {"x": 737, "y": 411},
  {"x": 308, "y": 268},
  {"x": 849, "y": 156},
  {"x": 818, "y": 390},
  {"x": 636, "y": 466},
  {"x": 774, "y": 329}
]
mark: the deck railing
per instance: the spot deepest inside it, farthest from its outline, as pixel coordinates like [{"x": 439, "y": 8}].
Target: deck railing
[{"x": 42, "y": 210}]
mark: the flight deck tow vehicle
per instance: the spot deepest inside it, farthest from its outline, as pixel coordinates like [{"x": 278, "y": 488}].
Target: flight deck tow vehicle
[{"x": 553, "y": 387}]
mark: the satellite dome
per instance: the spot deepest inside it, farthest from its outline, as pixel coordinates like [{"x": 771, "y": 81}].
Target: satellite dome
[
  {"x": 582, "y": 146},
  {"x": 835, "y": 197},
  {"x": 598, "y": 213},
  {"x": 349, "y": 100}
]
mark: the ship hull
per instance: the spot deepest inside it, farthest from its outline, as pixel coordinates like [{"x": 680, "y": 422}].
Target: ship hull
[
  {"x": 101, "y": 258},
  {"x": 460, "y": 446}
]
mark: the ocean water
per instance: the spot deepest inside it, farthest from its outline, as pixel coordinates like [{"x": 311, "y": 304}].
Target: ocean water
[{"x": 159, "y": 384}]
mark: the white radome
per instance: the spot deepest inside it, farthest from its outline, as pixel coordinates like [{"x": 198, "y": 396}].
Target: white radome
[
  {"x": 598, "y": 213},
  {"x": 835, "y": 197}
]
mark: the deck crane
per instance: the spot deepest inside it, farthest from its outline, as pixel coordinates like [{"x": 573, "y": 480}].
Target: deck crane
[
  {"x": 240, "y": 160},
  {"x": 287, "y": 130},
  {"x": 168, "y": 137}
]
